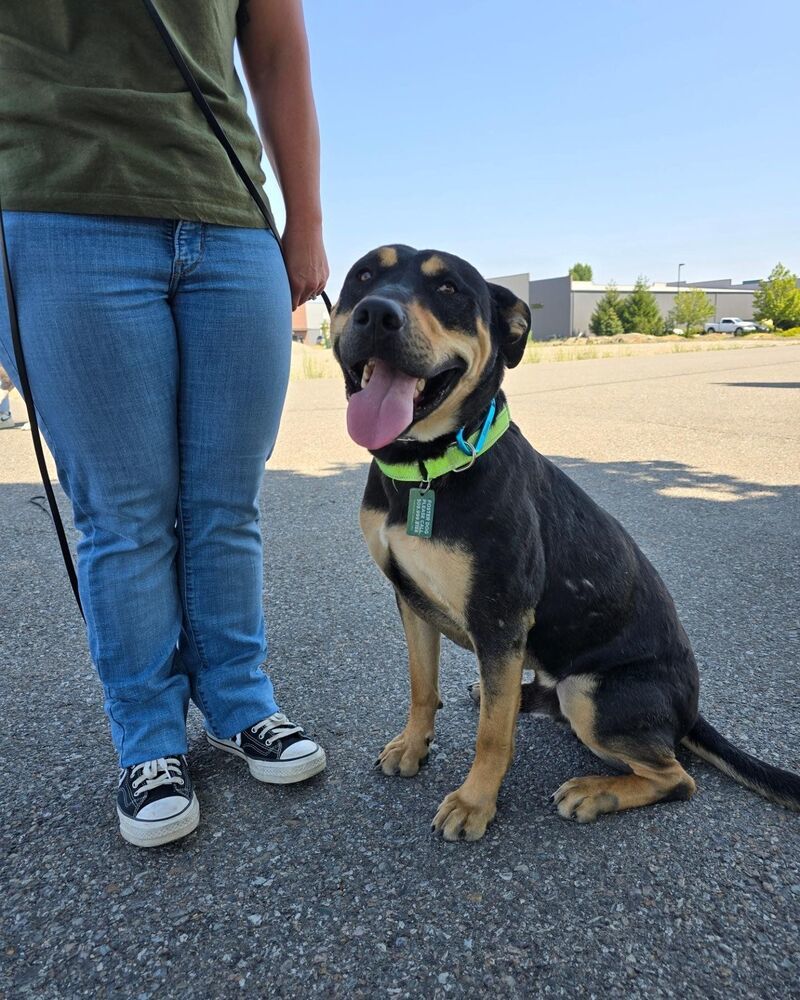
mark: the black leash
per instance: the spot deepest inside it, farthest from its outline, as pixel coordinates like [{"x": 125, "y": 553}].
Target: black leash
[
  {"x": 216, "y": 128},
  {"x": 27, "y": 395},
  {"x": 16, "y": 340}
]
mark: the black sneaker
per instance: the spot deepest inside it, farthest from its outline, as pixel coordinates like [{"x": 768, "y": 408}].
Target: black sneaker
[
  {"x": 156, "y": 803},
  {"x": 276, "y": 751}
]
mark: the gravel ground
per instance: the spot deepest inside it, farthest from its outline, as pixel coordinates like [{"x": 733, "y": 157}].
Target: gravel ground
[{"x": 337, "y": 888}]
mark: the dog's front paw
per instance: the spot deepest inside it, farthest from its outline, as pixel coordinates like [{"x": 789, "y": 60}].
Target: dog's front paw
[
  {"x": 404, "y": 754},
  {"x": 459, "y": 818}
]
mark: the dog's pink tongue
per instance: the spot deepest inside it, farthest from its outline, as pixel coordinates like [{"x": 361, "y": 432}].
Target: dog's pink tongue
[{"x": 382, "y": 409}]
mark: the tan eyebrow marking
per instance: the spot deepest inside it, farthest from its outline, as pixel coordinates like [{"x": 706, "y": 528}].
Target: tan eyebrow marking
[
  {"x": 387, "y": 256},
  {"x": 433, "y": 265}
]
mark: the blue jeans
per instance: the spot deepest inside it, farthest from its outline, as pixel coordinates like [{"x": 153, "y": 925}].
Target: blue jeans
[{"x": 158, "y": 353}]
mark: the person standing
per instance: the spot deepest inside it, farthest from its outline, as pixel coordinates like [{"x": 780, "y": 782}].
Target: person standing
[{"x": 155, "y": 313}]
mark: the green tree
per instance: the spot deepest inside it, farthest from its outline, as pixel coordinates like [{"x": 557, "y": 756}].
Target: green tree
[
  {"x": 778, "y": 298},
  {"x": 692, "y": 308},
  {"x": 581, "y": 272},
  {"x": 639, "y": 311},
  {"x": 325, "y": 330},
  {"x": 605, "y": 321}
]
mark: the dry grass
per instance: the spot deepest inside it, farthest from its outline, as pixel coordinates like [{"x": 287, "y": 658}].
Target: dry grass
[
  {"x": 590, "y": 350},
  {"x": 534, "y": 353},
  {"x": 317, "y": 362},
  {"x": 313, "y": 369},
  {"x": 312, "y": 362}
]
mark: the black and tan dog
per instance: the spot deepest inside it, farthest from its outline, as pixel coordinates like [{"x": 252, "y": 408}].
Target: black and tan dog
[{"x": 519, "y": 564}]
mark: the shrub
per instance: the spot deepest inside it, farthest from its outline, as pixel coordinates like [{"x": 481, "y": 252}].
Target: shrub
[
  {"x": 692, "y": 308},
  {"x": 639, "y": 312},
  {"x": 778, "y": 299},
  {"x": 605, "y": 321}
]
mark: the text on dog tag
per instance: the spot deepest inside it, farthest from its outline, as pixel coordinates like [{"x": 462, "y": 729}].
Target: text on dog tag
[{"x": 420, "y": 512}]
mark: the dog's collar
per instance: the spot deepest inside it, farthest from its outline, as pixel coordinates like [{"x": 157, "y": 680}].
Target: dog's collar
[{"x": 453, "y": 459}]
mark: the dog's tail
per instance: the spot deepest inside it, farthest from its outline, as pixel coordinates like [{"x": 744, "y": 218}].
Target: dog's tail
[{"x": 773, "y": 783}]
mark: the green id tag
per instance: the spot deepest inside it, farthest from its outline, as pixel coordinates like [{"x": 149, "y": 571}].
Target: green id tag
[{"x": 420, "y": 512}]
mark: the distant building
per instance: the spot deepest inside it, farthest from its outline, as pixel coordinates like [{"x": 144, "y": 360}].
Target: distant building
[
  {"x": 564, "y": 307},
  {"x": 307, "y": 322}
]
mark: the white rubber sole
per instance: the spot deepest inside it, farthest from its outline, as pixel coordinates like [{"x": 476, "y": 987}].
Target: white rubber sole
[
  {"x": 287, "y": 772},
  {"x": 154, "y": 833}
]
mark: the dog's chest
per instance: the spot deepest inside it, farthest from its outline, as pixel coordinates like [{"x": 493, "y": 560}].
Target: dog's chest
[{"x": 440, "y": 573}]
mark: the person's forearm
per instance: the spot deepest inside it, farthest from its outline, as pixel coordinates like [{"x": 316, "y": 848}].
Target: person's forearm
[
  {"x": 280, "y": 82},
  {"x": 275, "y": 57}
]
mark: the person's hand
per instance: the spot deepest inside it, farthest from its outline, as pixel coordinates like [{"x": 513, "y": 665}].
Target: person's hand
[{"x": 306, "y": 262}]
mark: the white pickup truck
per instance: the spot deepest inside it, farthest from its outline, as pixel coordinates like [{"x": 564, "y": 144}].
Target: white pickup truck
[{"x": 731, "y": 324}]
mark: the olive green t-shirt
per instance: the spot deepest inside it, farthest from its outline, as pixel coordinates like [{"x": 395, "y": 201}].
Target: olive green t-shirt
[{"x": 95, "y": 117}]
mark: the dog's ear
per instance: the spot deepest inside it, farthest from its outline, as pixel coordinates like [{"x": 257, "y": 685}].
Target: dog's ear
[{"x": 512, "y": 318}]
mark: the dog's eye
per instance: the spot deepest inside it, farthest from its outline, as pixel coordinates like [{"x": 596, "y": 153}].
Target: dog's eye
[
  {"x": 364, "y": 274},
  {"x": 447, "y": 288}
]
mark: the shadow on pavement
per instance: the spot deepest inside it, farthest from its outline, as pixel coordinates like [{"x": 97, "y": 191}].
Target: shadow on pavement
[
  {"x": 761, "y": 385},
  {"x": 668, "y": 479}
]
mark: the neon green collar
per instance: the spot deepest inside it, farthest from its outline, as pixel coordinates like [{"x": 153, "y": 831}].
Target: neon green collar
[{"x": 452, "y": 460}]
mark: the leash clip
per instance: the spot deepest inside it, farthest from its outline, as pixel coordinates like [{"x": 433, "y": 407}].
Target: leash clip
[
  {"x": 473, "y": 450},
  {"x": 473, "y": 453}
]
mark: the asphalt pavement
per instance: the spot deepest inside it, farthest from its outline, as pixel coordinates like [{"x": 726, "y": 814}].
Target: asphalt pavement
[{"x": 337, "y": 888}]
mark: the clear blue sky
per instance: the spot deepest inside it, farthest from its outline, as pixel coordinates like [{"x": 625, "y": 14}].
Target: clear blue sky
[{"x": 523, "y": 136}]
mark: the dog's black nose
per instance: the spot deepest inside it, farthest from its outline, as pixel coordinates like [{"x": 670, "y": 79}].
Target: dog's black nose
[{"x": 378, "y": 315}]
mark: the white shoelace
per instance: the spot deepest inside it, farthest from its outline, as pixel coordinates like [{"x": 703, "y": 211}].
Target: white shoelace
[
  {"x": 154, "y": 773},
  {"x": 276, "y": 727}
]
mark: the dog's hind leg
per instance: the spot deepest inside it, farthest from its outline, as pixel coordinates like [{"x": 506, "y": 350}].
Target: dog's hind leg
[
  {"x": 469, "y": 810},
  {"x": 408, "y": 750},
  {"x": 534, "y": 698},
  {"x": 646, "y": 753}
]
